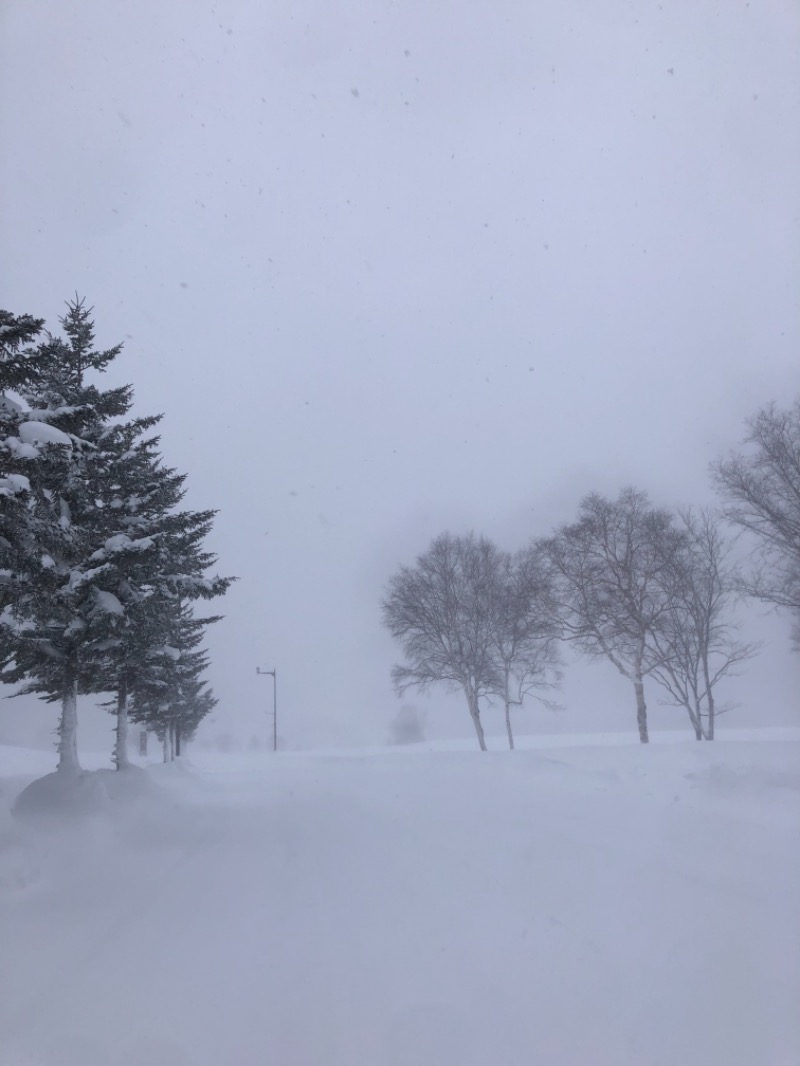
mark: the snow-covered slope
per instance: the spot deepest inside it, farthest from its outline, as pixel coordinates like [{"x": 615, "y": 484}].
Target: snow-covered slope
[{"x": 596, "y": 905}]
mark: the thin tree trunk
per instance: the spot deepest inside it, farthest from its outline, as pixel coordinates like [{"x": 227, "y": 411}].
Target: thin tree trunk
[
  {"x": 508, "y": 725},
  {"x": 475, "y": 715},
  {"x": 710, "y": 699},
  {"x": 178, "y": 740},
  {"x": 507, "y": 701},
  {"x": 121, "y": 760},
  {"x": 68, "y": 761},
  {"x": 641, "y": 711},
  {"x": 165, "y": 746}
]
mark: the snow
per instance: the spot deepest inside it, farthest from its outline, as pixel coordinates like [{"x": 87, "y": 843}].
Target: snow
[
  {"x": 35, "y": 433},
  {"x": 107, "y": 603},
  {"x": 121, "y": 542},
  {"x": 167, "y": 651},
  {"x": 11, "y": 484},
  {"x": 20, "y": 450},
  {"x": 596, "y": 903},
  {"x": 10, "y": 621},
  {"x": 11, "y": 402}
]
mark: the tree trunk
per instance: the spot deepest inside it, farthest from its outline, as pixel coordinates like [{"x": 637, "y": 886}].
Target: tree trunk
[
  {"x": 121, "y": 760},
  {"x": 165, "y": 746},
  {"x": 508, "y": 725},
  {"x": 68, "y": 733},
  {"x": 641, "y": 711},
  {"x": 177, "y": 739},
  {"x": 710, "y": 699},
  {"x": 475, "y": 715},
  {"x": 507, "y": 702}
]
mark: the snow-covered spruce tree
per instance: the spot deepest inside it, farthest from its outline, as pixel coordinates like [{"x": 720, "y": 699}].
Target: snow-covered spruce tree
[
  {"x": 26, "y": 516},
  {"x": 151, "y": 558},
  {"x": 62, "y": 423},
  {"x": 172, "y": 698},
  {"x": 19, "y": 362},
  {"x": 19, "y": 366},
  {"x": 105, "y": 555}
]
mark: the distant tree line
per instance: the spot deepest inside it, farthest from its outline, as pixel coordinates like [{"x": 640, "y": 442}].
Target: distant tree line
[
  {"x": 99, "y": 565},
  {"x": 649, "y": 589}
]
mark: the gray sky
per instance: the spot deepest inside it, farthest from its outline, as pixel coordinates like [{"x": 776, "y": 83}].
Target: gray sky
[{"x": 394, "y": 268}]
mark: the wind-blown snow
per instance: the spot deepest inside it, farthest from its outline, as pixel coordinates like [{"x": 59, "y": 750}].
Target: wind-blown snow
[{"x": 575, "y": 906}]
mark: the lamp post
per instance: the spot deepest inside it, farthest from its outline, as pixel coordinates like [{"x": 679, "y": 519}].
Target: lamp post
[{"x": 274, "y": 675}]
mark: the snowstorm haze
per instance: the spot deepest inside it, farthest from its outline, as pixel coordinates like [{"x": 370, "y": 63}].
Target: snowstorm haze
[{"x": 394, "y": 269}]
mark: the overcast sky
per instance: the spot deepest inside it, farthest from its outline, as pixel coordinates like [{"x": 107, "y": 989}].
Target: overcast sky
[{"x": 392, "y": 268}]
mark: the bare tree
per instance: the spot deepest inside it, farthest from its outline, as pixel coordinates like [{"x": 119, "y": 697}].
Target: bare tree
[
  {"x": 526, "y": 631},
  {"x": 441, "y": 612},
  {"x": 610, "y": 565},
  {"x": 696, "y": 643},
  {"x": 761, "y": 487}
]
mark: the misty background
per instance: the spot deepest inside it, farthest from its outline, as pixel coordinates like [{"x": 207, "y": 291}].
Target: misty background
[{"x": 395, "y": 269}]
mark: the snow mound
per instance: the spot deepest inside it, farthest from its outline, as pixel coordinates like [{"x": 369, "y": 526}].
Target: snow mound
[
  {"x": 62, "y": 793},
  {"x": 85, "y": 793}
]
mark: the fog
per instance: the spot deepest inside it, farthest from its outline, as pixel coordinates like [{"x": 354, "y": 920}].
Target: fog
[{"x": 394, "y": 269}]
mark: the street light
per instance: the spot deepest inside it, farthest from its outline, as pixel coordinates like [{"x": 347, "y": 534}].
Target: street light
[{"x": 274, "y": 675}]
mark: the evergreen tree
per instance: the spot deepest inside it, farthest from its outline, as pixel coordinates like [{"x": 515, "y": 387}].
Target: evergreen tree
[
  {"x": 19, "y": 366},
  {"x": 137, "y": 492},
  {"x": 55, "y": 583},
  {"x": 152, "y": 560},
  {"x": 98, "y": 559},
  {"x": 173, "y": 699}
]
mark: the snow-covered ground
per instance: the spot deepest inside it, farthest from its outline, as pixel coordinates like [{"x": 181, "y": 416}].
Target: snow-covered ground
[{"x": 588, "y": 903}]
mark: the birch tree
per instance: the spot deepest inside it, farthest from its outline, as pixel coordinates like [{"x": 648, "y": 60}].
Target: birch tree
[
  {"x": 760, "y": 487},
  {"x": 440, "y": 611},
  {"x": 610, "y": 566},
  {"x": 526, "y": 630},
  {"x": 697, "y": 644}
]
